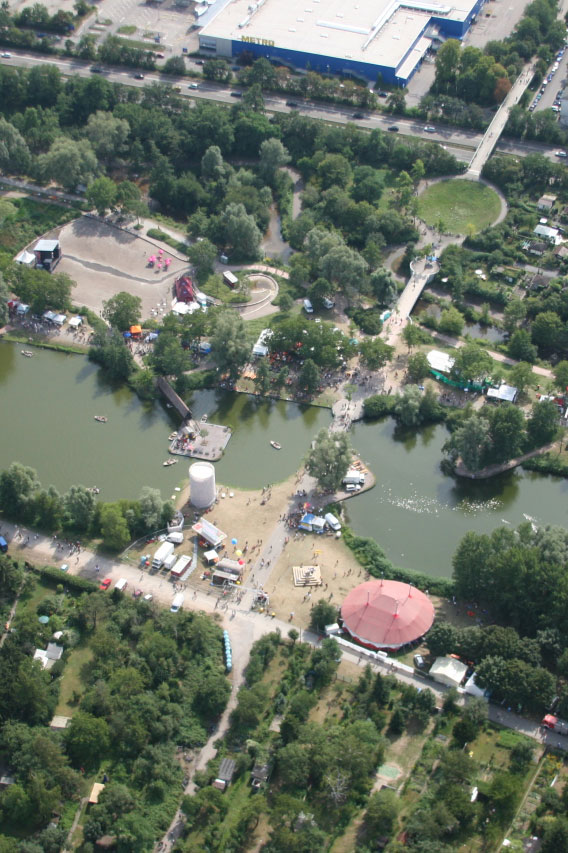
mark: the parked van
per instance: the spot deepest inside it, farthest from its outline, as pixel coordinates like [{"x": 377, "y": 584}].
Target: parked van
[
  {"x": 3, "y": 545},
  {"x": 121, "y": 584},
  {"x": 328, "y": 303},
  {"x": 176, "y": 537},
  {"x": 308, "y": 307},
  {"x": 332, "y": 521},
  {"x": 177, "y": 603},
  {"x": 353, "y": 478}
]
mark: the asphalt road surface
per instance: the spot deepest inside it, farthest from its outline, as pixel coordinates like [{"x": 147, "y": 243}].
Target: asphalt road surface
[{"x": 460, "y": 142}]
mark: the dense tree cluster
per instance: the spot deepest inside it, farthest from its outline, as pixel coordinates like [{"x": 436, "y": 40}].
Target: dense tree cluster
[
  {"x": 23, "y": 499},
  {"x": 154, "y": 682}
]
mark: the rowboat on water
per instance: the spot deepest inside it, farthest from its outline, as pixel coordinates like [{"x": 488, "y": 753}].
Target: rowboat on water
[
  {"x": 275, "y": 445},
  {"x": 101, "y": 419},
  {"x": 27, "y": 353},
  {"x": 169, "y": 462}
]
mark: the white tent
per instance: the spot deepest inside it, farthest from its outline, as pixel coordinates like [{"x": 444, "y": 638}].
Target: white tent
[
  {"x": 505, "y": 393},
  {"x": 440, "y": 361},
  {"x": 22, "y": 309},
  {"x": 448, "y": 671},
  {"x": 75, "y": 322},
  {"x": 49, "y": 316},
  {"x": 472, "y": 689},
  {"x": 28, "y": 259},
  {"x": 59, "y": 319}
]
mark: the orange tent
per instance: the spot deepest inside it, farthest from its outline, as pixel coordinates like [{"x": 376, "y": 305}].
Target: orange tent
[{"x": 136, "y": 330}]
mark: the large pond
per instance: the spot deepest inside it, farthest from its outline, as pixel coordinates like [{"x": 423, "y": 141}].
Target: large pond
[
  {"x": 47, "y": 421},
  {"x": 415, "y": 512},
  {"x": 419, "y": 515}
]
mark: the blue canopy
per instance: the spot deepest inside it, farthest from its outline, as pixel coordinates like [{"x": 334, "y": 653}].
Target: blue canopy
[{"x": 126, "y": 335}]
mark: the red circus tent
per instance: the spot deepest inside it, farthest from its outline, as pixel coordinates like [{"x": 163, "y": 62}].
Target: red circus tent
[
  {"x": 386, "y": 614},
  {"x": 184, "y": 289}
]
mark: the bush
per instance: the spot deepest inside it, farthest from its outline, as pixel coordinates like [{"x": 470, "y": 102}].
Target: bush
[
  {"x": 56, "y": 575},
  {"x": 378, "y": 406}
]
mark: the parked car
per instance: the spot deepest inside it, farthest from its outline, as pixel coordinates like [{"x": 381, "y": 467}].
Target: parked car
[
  {"x": 561, "y": 154},
  {"x": 291, "y": 104},
  {"x": 148, "y": 596},
  {"x": 193, "y": 86},
  {"x": 65, "y": 567},
  {"x": 96, "y": 69},
  {"x": 429, "y": 129},
  {"x": 6, "y": 55},
  {"x": 139, "y": 76},
  {"x": 236, "y": 94},
  {"x": 419, "y": 662},
  {"x": 106, "y": 583},
  {"x": 383, "y": 94},
  {"x": 137, "y": 593},
  {"x": 358, "y": 115},
  {"x": 393, "y": 128}
]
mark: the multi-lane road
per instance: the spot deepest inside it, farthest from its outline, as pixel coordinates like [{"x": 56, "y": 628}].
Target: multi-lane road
[{"x": 459, "y": 142}]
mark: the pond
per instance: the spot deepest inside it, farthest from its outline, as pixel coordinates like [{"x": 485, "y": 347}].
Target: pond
[
  {"x": 48, "y": 408},
  {"x": 419, "y": 515},
  {"x": 474, "y": 330}
]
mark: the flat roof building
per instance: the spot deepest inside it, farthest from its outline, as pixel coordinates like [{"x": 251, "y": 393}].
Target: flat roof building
[{"x": 361, "y": 37}]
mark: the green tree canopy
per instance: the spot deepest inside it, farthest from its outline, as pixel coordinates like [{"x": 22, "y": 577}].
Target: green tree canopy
[{"x": 329, "y": 459}]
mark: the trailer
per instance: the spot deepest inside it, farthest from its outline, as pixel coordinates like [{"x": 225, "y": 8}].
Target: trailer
[
  {"x": 555, "y": 724},
  {"x": 180, "y": 566}
]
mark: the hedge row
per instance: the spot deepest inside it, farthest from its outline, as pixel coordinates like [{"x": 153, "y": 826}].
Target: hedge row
[
  {"x": 56, "y": 575},
  {"x": 547, "y": 464},
  {"x": 372, "y": 557}
]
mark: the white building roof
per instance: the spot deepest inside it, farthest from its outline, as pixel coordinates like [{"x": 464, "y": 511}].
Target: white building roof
[
  {"x": 448, "y": 670},
  {"x": 46, "y": 245},
  {"x": 26, "y": 258},
  {"x": 547, "y": 232},
  {"x": 378, "y": 32},
  {"x": 440, "y": 361},
  {"x": 505, "y": 393},
  {"x": 472, "y": 689}
]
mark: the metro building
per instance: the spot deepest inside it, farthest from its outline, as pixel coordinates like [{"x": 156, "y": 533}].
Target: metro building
[{"x": 357, "y": 38}]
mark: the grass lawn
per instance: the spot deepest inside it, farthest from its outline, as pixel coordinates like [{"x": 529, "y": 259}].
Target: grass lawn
[
  {"x": 127, "y": 30},
  {"x": 35, "y": 594},
  {"x": 459, "y": 204},
  {"x": 71, "y": 681}
]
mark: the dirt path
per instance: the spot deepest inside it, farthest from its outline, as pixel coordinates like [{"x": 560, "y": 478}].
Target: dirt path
[{"x": 493, "y": 470}]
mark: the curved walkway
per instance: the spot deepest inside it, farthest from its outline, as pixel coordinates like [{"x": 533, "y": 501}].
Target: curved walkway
[{"x": 493, "y": 470}]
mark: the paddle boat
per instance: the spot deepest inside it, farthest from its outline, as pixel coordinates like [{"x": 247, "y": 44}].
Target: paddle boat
[
  {"x": 101, "y": 419},
  {"x": 27, "y": 353},
  {"x": 275, "y": 445},
  {"x": 169, "y": 462}
]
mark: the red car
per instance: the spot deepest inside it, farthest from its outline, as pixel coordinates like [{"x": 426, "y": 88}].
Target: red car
[{"x": 106, "y": 583}]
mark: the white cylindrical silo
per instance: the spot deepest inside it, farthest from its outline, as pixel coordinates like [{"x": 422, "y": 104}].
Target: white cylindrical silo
[{"x": 202, "y": 489}]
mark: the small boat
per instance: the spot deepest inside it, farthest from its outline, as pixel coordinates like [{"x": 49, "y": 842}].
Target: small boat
[
  {"x": 101, "y": 419},
  {"x": 27, "y": 353},
  {"x": 169, "y": 462},
  {"x": 172, "y": 435},
  {"x": 275, "y": 445}
]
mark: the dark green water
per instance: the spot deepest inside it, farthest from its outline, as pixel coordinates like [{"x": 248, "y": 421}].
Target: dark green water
[
  {"x": 415, "y": 512},
  {"x": 419, "y": 515},
  {"x": 47, "y": 421}
]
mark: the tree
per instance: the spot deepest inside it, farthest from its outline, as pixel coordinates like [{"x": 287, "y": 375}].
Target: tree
[
  {"x": 471, "y": 362},
  {"x": 560, "y": 375},
  {"x": 169, "y": 358},
  {"x": 293, "y": 765},
  {"x": 346, "y": 267},
  {"x": 273, "y": 155},
  {"x": 407, "y": 406},
  {"x": 323, "y": 613},
  {"x": 87, "y": 738},
  {"x": 472, "y": 441},
  {"x": 442, "y": 638},
  {"x": 110, "y": 351},
  {"x": 217, "y": 69},
  {"x": 202, "y": 255},
  {"x": 515, "y": 312},
  {"x": 447, "y": 64},
  {"x": 521, "y": 376},
  {"x": 122, "y": 311},
  {"x": 547, "y": 330},
  {"x": 68, "y": 162},
  {"x": 4, "y": 297},
  {"x": 262, "y": 378},
  {"x": 397, "y": 721},
  {"x": 229, "y": 347},
  {"x": 418, "y": 367},
  {"x": 556, "y": 836},
  {"x": 114, "y": 528},
  {"x": 79, "y": 508},
  {"x": 14, "y": 152},
  {"x": 543, "y": 424},
  {"x": 17, "y": 486},
  {"x": 309, "y": 377},
  {"x": 412, "y": 335},
  {"x": 151, "y": 507},
  {"x": 507, "y": 431},
  {"x": 520, "y": 346},
  {"x": 451, "y": 322},
  {"x": 329, "y": 459},
  {"x": 382, "y": 812},
  {"x": 101, "y": 194},
  {"x": 41, "y": 289},
  {"x": 107, "y": 134},
  {"x": 175, "y": 65},
  {"x": 376, "y": 353},
  {"x": 334, "y": 170},
  {"x": 240, "y": 232},
  {"x": 383, "y": 286},
  {"x": 368, "y": 184}
]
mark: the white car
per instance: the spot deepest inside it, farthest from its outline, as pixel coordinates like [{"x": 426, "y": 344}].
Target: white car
[
  {"x": 429, "y": 129},
  {"x": 6, "y": 55},
  {"x": 561, "y": 154}
]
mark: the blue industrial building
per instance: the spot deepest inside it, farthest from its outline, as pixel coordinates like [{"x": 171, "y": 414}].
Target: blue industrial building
[{"x": 359, "y": 38}]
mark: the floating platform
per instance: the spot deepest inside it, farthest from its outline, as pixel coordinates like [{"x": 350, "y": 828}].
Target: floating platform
[{"x": 201, "y": 440}]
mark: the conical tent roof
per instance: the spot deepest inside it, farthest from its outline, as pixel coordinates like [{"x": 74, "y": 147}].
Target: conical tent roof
[{"x": 386, "y": 614}]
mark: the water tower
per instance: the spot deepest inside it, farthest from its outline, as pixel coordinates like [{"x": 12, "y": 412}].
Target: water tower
[{"x": 202, "y": 488}]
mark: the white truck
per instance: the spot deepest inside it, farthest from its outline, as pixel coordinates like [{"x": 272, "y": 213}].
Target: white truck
[
  {"x": 162, "y": 554},
  {"x": 177, "y": 603}
]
